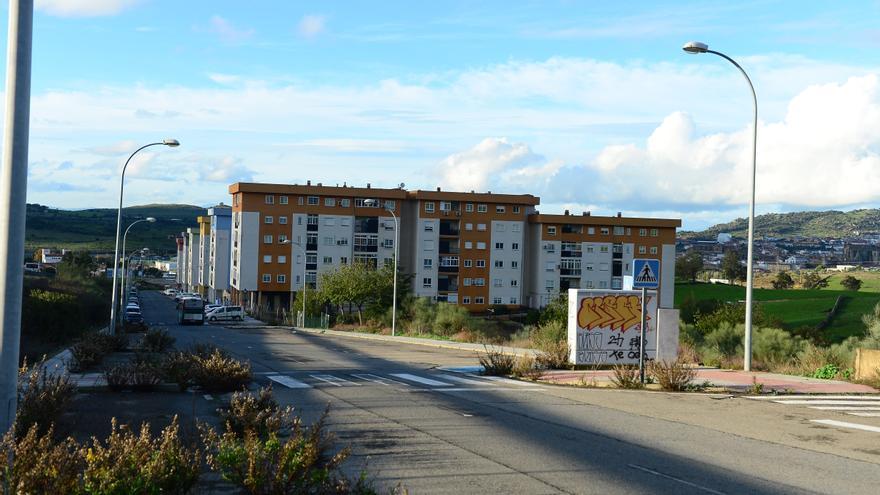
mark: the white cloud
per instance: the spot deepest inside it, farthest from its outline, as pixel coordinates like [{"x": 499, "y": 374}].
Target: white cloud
[
  {"x": 472, "y": 169},
  {"x": 310, "y": 26},
  {"x": 224, "y": 79},
  {"x": 227, "y": 31},
  {"x": 83, "y": 8},
  {"x": 225, "y": 170}
]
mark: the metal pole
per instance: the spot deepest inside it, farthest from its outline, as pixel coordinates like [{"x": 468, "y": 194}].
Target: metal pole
[
  {"x": 122, "y": 296},
  {"x": 113, "y": 302},
  {"x": 13, "y": 199},
  {"x": 642, "y": 335},
  {"x": 747, "y": 351},
  {"x": 396, "y": 255}
]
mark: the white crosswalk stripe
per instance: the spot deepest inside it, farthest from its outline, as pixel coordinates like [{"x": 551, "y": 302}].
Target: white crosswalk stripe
[
  {"x": 421, "y": 379},
  {"x": 288, "y": 381},
  {"x": 853, "y": 405},
  {"x": 447, "y": 382}
]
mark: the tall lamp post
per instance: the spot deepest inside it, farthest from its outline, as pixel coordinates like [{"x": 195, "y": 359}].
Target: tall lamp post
[
  {"x": 288, "y": 241},
  {"x": 166, "y": 142},
  {"x": 373, "y": 202},
  {"x": 695, "y": 47},
  {"x": 124, "y": 237}
]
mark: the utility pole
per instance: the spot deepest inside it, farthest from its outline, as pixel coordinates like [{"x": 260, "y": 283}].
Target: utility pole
[{"x": 13, "y": 199}]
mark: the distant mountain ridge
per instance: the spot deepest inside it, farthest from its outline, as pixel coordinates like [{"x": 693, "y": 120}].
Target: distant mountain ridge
[
  {"x": 95, "y": 229},
  {"x": 831, "y": 223}
]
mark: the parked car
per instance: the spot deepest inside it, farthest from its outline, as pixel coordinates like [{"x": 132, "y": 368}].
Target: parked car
[
  {"x": 171, "y": 291},
  {"x": 134, "y": 318},
  {"x": 225, "y": 313},
  {"x": 209, "y": 307}
]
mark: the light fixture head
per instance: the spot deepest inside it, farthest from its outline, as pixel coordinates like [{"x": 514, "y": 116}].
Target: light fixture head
[
  {"x": 171, "y": 142},
  {"x": 285, "y": 241},
  {"x": 151, "y": 219},
  {"x": 370, "y": 202},
  {"x": 695, "y": 47}
]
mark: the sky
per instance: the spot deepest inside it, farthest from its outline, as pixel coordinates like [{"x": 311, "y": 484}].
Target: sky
[{"x": 592, "y": 106}]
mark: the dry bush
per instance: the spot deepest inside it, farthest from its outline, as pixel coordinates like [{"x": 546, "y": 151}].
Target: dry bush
[
  {"x": 673, "y": 376},
  {"x": 139, "y": 375},
  {"x": 527, "y": 367},
  {"x": 42, "y": 397},
  {"x": 178, "y": 367},
  {"x": 687, "y": 353},
  {"x": 220, "y": 373},
  {"x": 259, "y": 413},
  {"x": 626, "y": 376},
  {"x": 36, "y": 464},
  {"x": 495, "y": 362},
  {"x": 157, "y": 340},
  {"x": 554, "y": 356}
]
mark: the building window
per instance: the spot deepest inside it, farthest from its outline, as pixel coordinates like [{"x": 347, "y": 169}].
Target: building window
[
  {"x": 499, "y": 245},
  {"x": 267, "y": 278},
  {"x": 343, "y": 260},
  {"x": 328, "y": 260},
  {"x": 591, "y": 230},
  {"x": 312, "y": 220},
  {"x": 481, "y": 263},
  {"x": 481, "y": 227},
  {"x": 480, "y": 282},
  {"x": 282, "y": 200},
  {"x": 603, "y": 249},
  {"x": 514, "y": 264},
  {"x": 427, "y": 263},
  {"x": 653, "y": 249},
  {"x": 604, "y": 230},
  {"x": 550, "y": 266},
  {"x": 388, "y": 243},
  {"x": 589, "y": 284},
  {"x": 654, "y": 232},
  {"x": 468, "y": 263},
  {"x": 300, "y": 200},
  {"x": 496, "y": 300},
  {"x": 282, "y": 220},
  {"x": 267, "y": 258},
  {"x": 427, "y": 282},
  {"x": 329, "y": 221},
  {"x": 479, "y": 300},
  {"x": 390, "y": 204},
  {"x": 549, "y": 247},
  {"x": 313, "y": 200},
  {"x": 429, "y": 226},
  {"x": 282, "y": 238},
  {"x": 467, "y": 282},
  {"x": 499, "y": 264},
  {"x": 345, "y": 202},
  {"x": 642, "y": 250},
  {"x": 268, "y": 219},
  {"x": 513, "y": 300},
  {"x": 603, "y": 284},
  {"x": 466, "y": 300},
  {"x": 588, "y": 267},
  {"x": 469, "y": 207},
  {"x": 516, "y": 209},
  {"x": 428, "y": 245},
  {"x": 515, "y": 246},
  {"x": 618, "y": 230},
  {"x": 445, "y": 206},
  {"x": 267, "y": 239},
  {"x": 551, "y": 230},
  {"x": 468, "y": 226},
  {"x": 481, "y": 245},
  {"x": 282, "y": 259},
  {"x": 499, "y": 209},
  {"x": 549, "y": 284},
  {"x": 270, "y": 200},
  {"x": 499, "y": 227},
  {"x": 514, "y": 283},
  {"x": 281, "y": 279},
  {"x": 468, "y": 245},
  {"x": 329, "y": 241},
  {"x": 482, "y": 208},
  {"x": 429, "y": 207},
  {"x": 603, "y": 267},
  {"x": 329, "y": 201},
  {"x": 516, "y": 227}
]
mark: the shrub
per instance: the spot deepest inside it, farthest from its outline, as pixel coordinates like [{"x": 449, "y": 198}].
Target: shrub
[
  {"x": 42, "y": 398},
  {"x": 774, "y": 346},
  {"x": 673, "y": 376},
  {"x": 625, "y": 376},
  {"x": 34, "y": 463},
  {"x": 526, "y": 367},
  {"x": 179, "y": 368},
  {"x": 826, "y": 372},
  {"x": 220, "y": 373},
  {"x": 554, "y": 356},
  {"x": 259, "y": 414},
  {"x": 157, "y": 340},
  {"x": 93, "y": 348},
  {"x": 205, "y": 351},
  {"x": 450, "y": 319},
  {"x": 495, "y": 362},
  {"x": 141, "y": 374},
  {"x": 129, "y": 463},
  {"x": 300, "y": 463},
  {"x": 547, "y": 335},
  {"x": 723, "y": 343}
]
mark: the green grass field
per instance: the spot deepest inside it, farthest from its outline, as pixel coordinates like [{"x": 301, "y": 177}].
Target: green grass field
[
  {"x": 870, "y": 281},
  {"x": 796, "y": 308}
]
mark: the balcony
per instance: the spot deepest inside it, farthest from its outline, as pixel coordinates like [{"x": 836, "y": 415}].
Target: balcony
[
  {"x": 447, "y": 269},
  {"x": 444, "y": 285},
  {"x": 312, "y": 227},
  {"x": 449, "y": 247},
  {"x": 312, "y": 246},
  {"x": 449, "y": 228},
  {"x": 311, "y": 266},
  {"x": 570, "y": 272},
  {"x": 572, "y": 254}
]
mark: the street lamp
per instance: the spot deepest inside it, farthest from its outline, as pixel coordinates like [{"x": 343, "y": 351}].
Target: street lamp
[
  {"x": 172, "y": 143},
  {"x": 373, "y": 202},
  {"x": 123, "y": 298},
  {"x": 695, "y": 47},
  {"x": 286, "y": 242}
]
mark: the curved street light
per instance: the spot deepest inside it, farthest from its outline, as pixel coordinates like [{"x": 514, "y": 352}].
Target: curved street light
[
  {"x": 123, "y": 297},
  {"x": 291, "y": 243},
  {"x": 172, "y": 143},
  {"x": 373, "y": 202},
  {"x": 696, "y": 47}
]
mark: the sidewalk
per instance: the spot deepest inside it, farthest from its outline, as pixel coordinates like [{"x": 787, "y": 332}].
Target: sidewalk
[{"x": 733, "y": 380}]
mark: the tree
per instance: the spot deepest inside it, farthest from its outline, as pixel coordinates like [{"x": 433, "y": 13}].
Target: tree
[
  {"x": 75, "y": 266},
  {"x": 358, "y": 284},
  {"x": 851, "y": 283},
  {"x": 813, "y": 280},
  {"x": 732, "y": 269},
  {"x": 689, "y": 266},
  {"x": 783, "y": 281}
]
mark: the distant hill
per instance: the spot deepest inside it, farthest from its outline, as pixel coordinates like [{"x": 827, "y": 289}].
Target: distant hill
[
  {"x": 830, "y": 223},
  {"x": 95, "y": 229}
]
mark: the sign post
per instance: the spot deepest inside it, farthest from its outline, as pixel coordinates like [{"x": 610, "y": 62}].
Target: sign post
[{"x": 646, "y": 275}]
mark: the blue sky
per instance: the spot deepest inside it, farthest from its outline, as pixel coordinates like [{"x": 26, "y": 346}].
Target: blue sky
[{"x": 590, "y": 105}]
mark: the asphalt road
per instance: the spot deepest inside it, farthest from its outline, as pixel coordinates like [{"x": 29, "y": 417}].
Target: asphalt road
[{"x": 436, "y": 430}]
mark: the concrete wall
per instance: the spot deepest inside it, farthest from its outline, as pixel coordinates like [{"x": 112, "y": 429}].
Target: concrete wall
[{"x": 867, "y": 364}]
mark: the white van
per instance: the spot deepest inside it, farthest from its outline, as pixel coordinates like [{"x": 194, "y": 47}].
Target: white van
[{"x": 225, "y": 313}]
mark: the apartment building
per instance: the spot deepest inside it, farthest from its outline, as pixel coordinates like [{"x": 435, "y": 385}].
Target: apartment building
[
  {"x": 596, "y": 252},
  {"x": 181, "y": 259},
  {"x": 204, "y": 247},
  {"x": 192, "y": 259},
  {"x": 219, "y": 248},
  {"x": 468, "y": 248},
  {"x": 285, "y": 236}
]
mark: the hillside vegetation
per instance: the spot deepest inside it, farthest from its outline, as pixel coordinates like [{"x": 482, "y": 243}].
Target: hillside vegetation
[
  {"x": 94, "y": 229},
  {"x": 830, "y": 223}
]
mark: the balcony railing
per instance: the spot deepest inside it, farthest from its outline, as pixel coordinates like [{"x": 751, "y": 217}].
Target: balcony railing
[
  {"x": 448, "y": 269},
  {"x": 576, "y": 272},
  {"x": 312, "y": 227},
  {"x": 365, "y": 249},
  {"x": 572, "y": 254}
]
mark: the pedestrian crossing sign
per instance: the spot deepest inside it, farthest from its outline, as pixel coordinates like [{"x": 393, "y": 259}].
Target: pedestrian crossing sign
[{"x": 646, "y": 274}]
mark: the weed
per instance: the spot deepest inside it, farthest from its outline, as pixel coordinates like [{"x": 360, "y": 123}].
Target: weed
[
  {"x": 826, "y": 372},
  {"x": 259, "y": 414},
  {"x": 625, "y": 376},
  {"x": 495, "y": 362},
  {"x": 42, "y": 398},
  {"x": 554, "y": 355},
  {"x": 220, "y": 373},
  {"x": 672, "y": 376},
  {"x": 526, "y": 367},
  {"x": 757, "y": 388},
  {"x": 141, "y": 374}
]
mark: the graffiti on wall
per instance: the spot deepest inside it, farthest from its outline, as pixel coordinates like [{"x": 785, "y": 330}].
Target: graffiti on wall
[{"x": 607, "y": 326}]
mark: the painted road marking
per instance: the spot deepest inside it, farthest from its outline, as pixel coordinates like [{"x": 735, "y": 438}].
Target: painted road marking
[
  {"x": 844, "y": 424},
  {"x": 492, "y": 389},
  {"x": 288, "y": 381},
  {"x": 509, "y": 381},
  {"x": 865, "y": 415},
  {"x": 673, "y": 478},
  {"x": 845, "y": 408},
  {"x": 422, "y": 380},
  {"x": 828, "y": 402},
  {"x": 775, "y": 398},
  {"x": 378, "y": 379},
  {"x": 467, "y": 381},
  {"x": 334, "y": 380}
]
